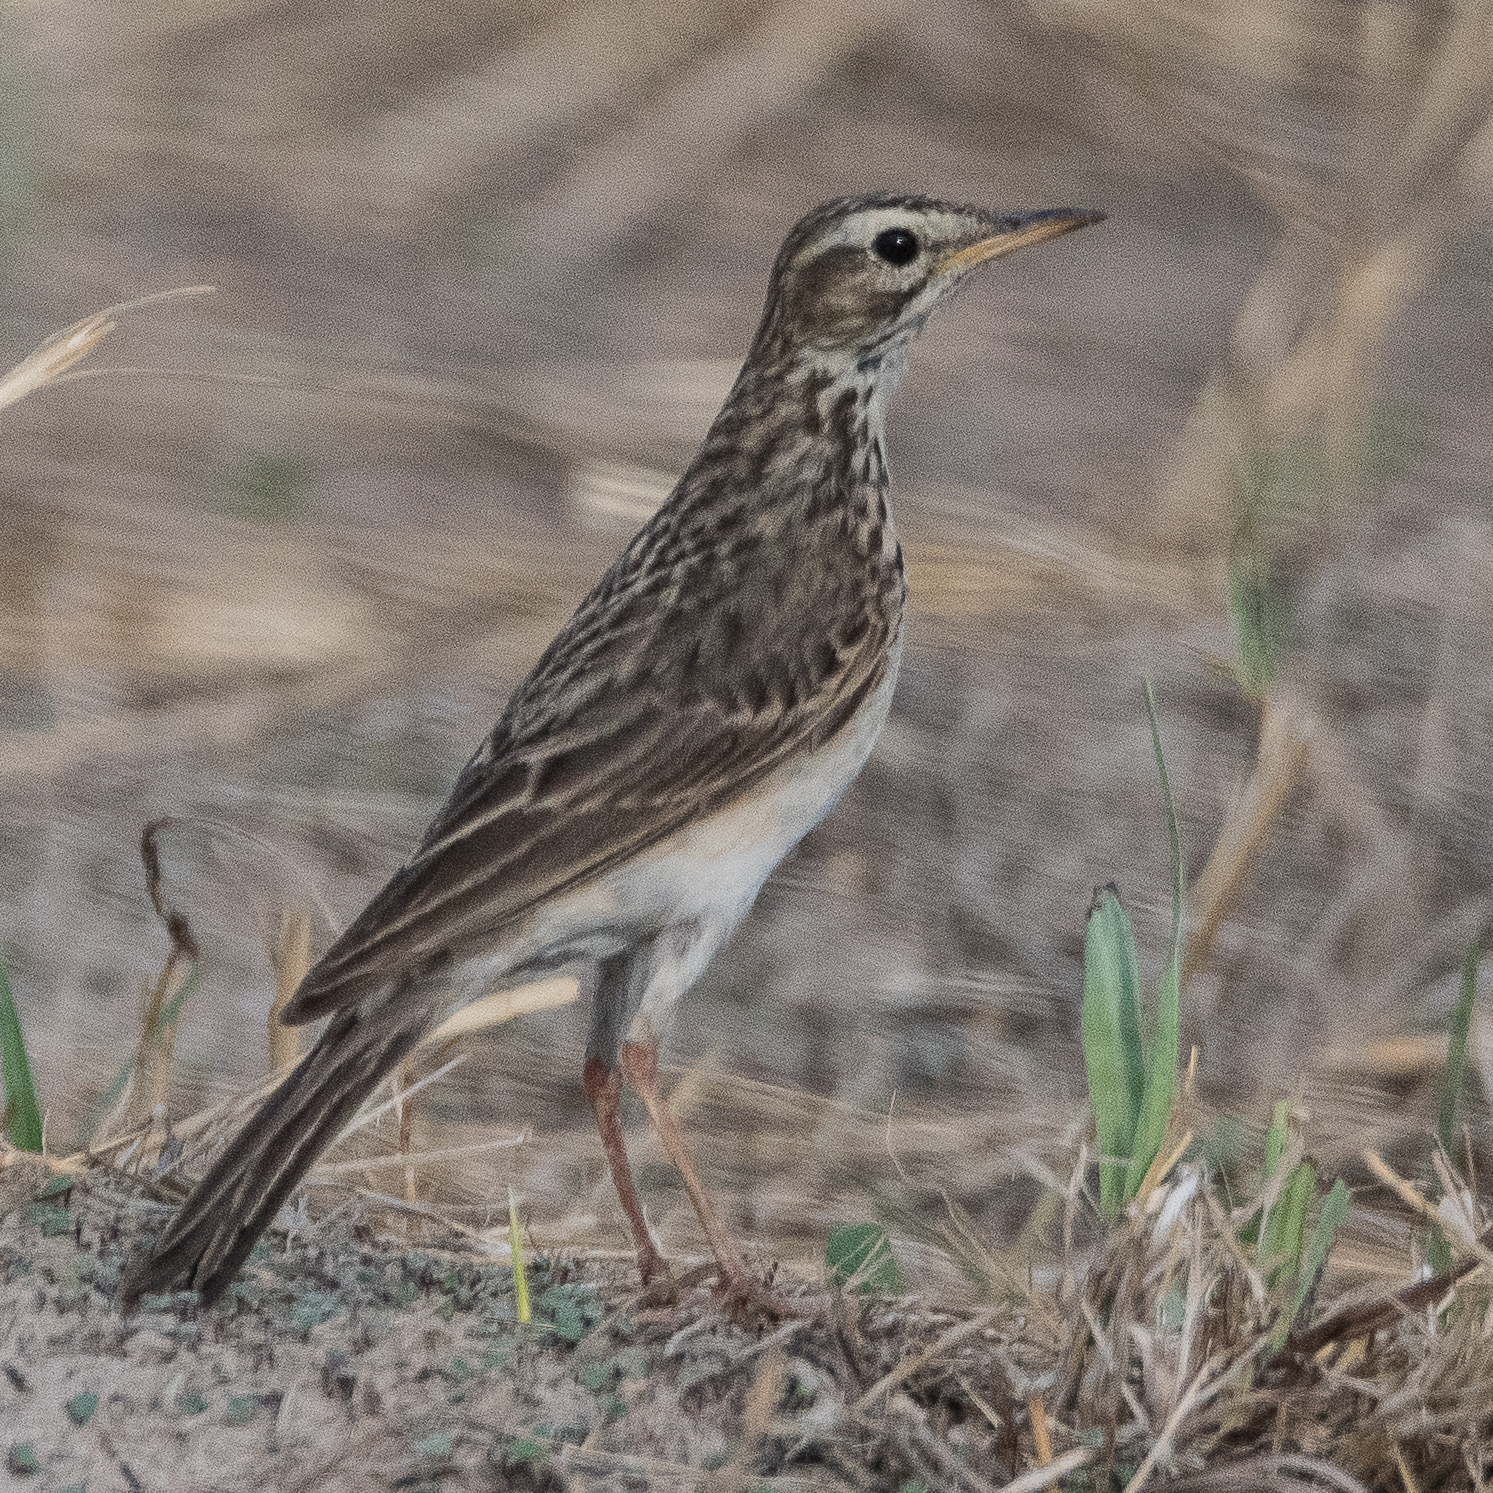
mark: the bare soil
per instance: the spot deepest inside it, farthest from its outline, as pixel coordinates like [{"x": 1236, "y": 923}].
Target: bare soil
[{"x": 345, "y": 1357}]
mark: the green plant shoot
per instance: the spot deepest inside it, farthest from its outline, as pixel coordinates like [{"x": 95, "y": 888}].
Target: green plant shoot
[
  {"x": 1261, "y": 622},
  {"x": 1113, "y": 1056},
  {"x": 1289, "y": 1261},
  {"x": 1456, "y": 1052},
  {"x": 22, "y": 1117},
  {"x": 1453, "y": 1078},
  {"x": 1284, "y": 1236},
  {"x": 1330, "y": 1219},
  {"x": 1164, "y": 1049},
  {"x": 1132, "y": 1072},
  {"x": 521, "y": 1308},
  {"x": 860, "y": 1255}
]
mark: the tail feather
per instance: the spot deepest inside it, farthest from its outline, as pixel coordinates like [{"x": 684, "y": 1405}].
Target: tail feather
[{"x": 224, "y": 1215}]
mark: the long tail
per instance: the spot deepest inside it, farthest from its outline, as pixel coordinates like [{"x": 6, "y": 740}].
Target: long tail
[{"x": 229, "y": 1209}]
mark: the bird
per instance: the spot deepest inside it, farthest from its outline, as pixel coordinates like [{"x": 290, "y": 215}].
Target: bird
[{"x": 704, "y": 708}]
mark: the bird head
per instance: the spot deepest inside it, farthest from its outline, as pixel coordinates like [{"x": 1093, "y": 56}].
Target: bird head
[{"x": 860, "y": 275}]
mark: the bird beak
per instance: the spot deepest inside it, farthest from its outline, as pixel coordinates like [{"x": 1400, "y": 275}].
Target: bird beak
[{"x": 1029, "y": 228}]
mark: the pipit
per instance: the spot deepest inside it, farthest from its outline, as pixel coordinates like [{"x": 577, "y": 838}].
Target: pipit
[{"x": 703, "y": 709}]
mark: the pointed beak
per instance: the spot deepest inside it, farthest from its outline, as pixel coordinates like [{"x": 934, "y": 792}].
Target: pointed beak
[{"x": 1017, "y": 231}]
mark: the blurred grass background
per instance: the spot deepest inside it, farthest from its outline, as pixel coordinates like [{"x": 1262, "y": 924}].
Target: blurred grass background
[{"x": 273, "y": 561}]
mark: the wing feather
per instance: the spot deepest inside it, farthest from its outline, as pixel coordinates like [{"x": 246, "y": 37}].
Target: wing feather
[{"x": 618, "y": 739}]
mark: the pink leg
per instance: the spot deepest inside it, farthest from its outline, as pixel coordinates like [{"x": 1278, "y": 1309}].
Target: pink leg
[
  {"x": 640, "y": 1068},
  {"x": 604, "y": 1089}
]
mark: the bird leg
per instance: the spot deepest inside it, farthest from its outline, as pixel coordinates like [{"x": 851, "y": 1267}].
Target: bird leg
[
  {"x": 604, "y": 1089},
  {"x": 740, "y": 1286}
]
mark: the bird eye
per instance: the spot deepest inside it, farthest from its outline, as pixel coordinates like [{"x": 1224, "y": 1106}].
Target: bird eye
[{"x": 896, "y": 245}]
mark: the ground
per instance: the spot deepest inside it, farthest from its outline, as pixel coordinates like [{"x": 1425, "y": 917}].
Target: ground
[{"x": 345, "y": 1358}]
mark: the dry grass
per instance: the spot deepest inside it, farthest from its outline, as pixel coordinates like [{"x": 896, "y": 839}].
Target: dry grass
[
  {"x": 52, "y": 361},
  {"x": 1151, "y": 1354},
  {"x": 1163, "y": 1350}
]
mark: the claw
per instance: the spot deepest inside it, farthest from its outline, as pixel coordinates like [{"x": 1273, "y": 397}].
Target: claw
[
  {"x": 652, "y": 1266},
  {"x": 662, "y": 1291},
  {"x": 748, "y": 1301}
]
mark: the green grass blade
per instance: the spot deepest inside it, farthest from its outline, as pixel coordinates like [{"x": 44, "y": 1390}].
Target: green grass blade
[
  {"x": 1330, "y": 1219},
  {"x": 1161, "y": 1080},
  {"x": 1456, "y": 1052},
  {"x": 1438, "y": 1250},
  {"x": 521, "y": 1308},
  {"x": 1276, "y": 1136},
  {"x": 860, "y": 1255},
  {"x": 1261, "y": 615},
  {"x": 1285, "y": 1229},
  {"x": 1160, "y": 1053},
  {"x": 22, "y": 1116},
  {"x": 171, "y": 1011},
  {"x": 1173, "y": 835},
  {"x": 1112, "y": 1049}
]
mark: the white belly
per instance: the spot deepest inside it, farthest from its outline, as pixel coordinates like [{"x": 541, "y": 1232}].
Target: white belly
[
  {"x": 701, "y": 880},
  {"x": 719, "y": 864}
]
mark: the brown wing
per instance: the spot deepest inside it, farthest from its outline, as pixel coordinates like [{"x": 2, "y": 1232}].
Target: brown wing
[{"x": 663, "y": 699}]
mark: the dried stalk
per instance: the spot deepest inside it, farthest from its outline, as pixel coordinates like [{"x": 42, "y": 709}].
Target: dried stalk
[
  {"x": 63, "y": 349},
  {"x": 1284, "y": 751},
  {"x": 144, "y": 1093}
]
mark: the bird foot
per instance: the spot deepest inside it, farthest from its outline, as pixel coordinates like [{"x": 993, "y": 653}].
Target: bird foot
[
  {"x": 652, "y": 1266},
  {"x": 749, "y": 1301},
  {"x": 661, "y": 1288}
]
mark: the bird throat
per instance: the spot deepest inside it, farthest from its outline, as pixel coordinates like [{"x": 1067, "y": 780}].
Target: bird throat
[
  {"x": 798, "y": 453},
  {"x": 844, "y": 398}
]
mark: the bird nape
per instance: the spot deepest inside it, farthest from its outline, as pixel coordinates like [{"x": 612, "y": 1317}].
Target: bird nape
[{"x": 704, "y": 708}]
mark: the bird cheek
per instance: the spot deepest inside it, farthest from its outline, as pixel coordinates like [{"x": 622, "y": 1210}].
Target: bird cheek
[
  {"x": 852, "y": 313},
  {"x": 823, "y": 313}
]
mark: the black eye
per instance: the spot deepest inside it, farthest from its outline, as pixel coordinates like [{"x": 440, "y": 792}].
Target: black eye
[{"x": 896, "y": 245}]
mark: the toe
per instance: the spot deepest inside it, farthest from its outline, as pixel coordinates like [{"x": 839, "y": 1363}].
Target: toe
[{"x": 748, "y": 1300}]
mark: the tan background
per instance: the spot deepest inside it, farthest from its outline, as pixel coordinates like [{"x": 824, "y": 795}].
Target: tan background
[{"x": 483, "y": 273}]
